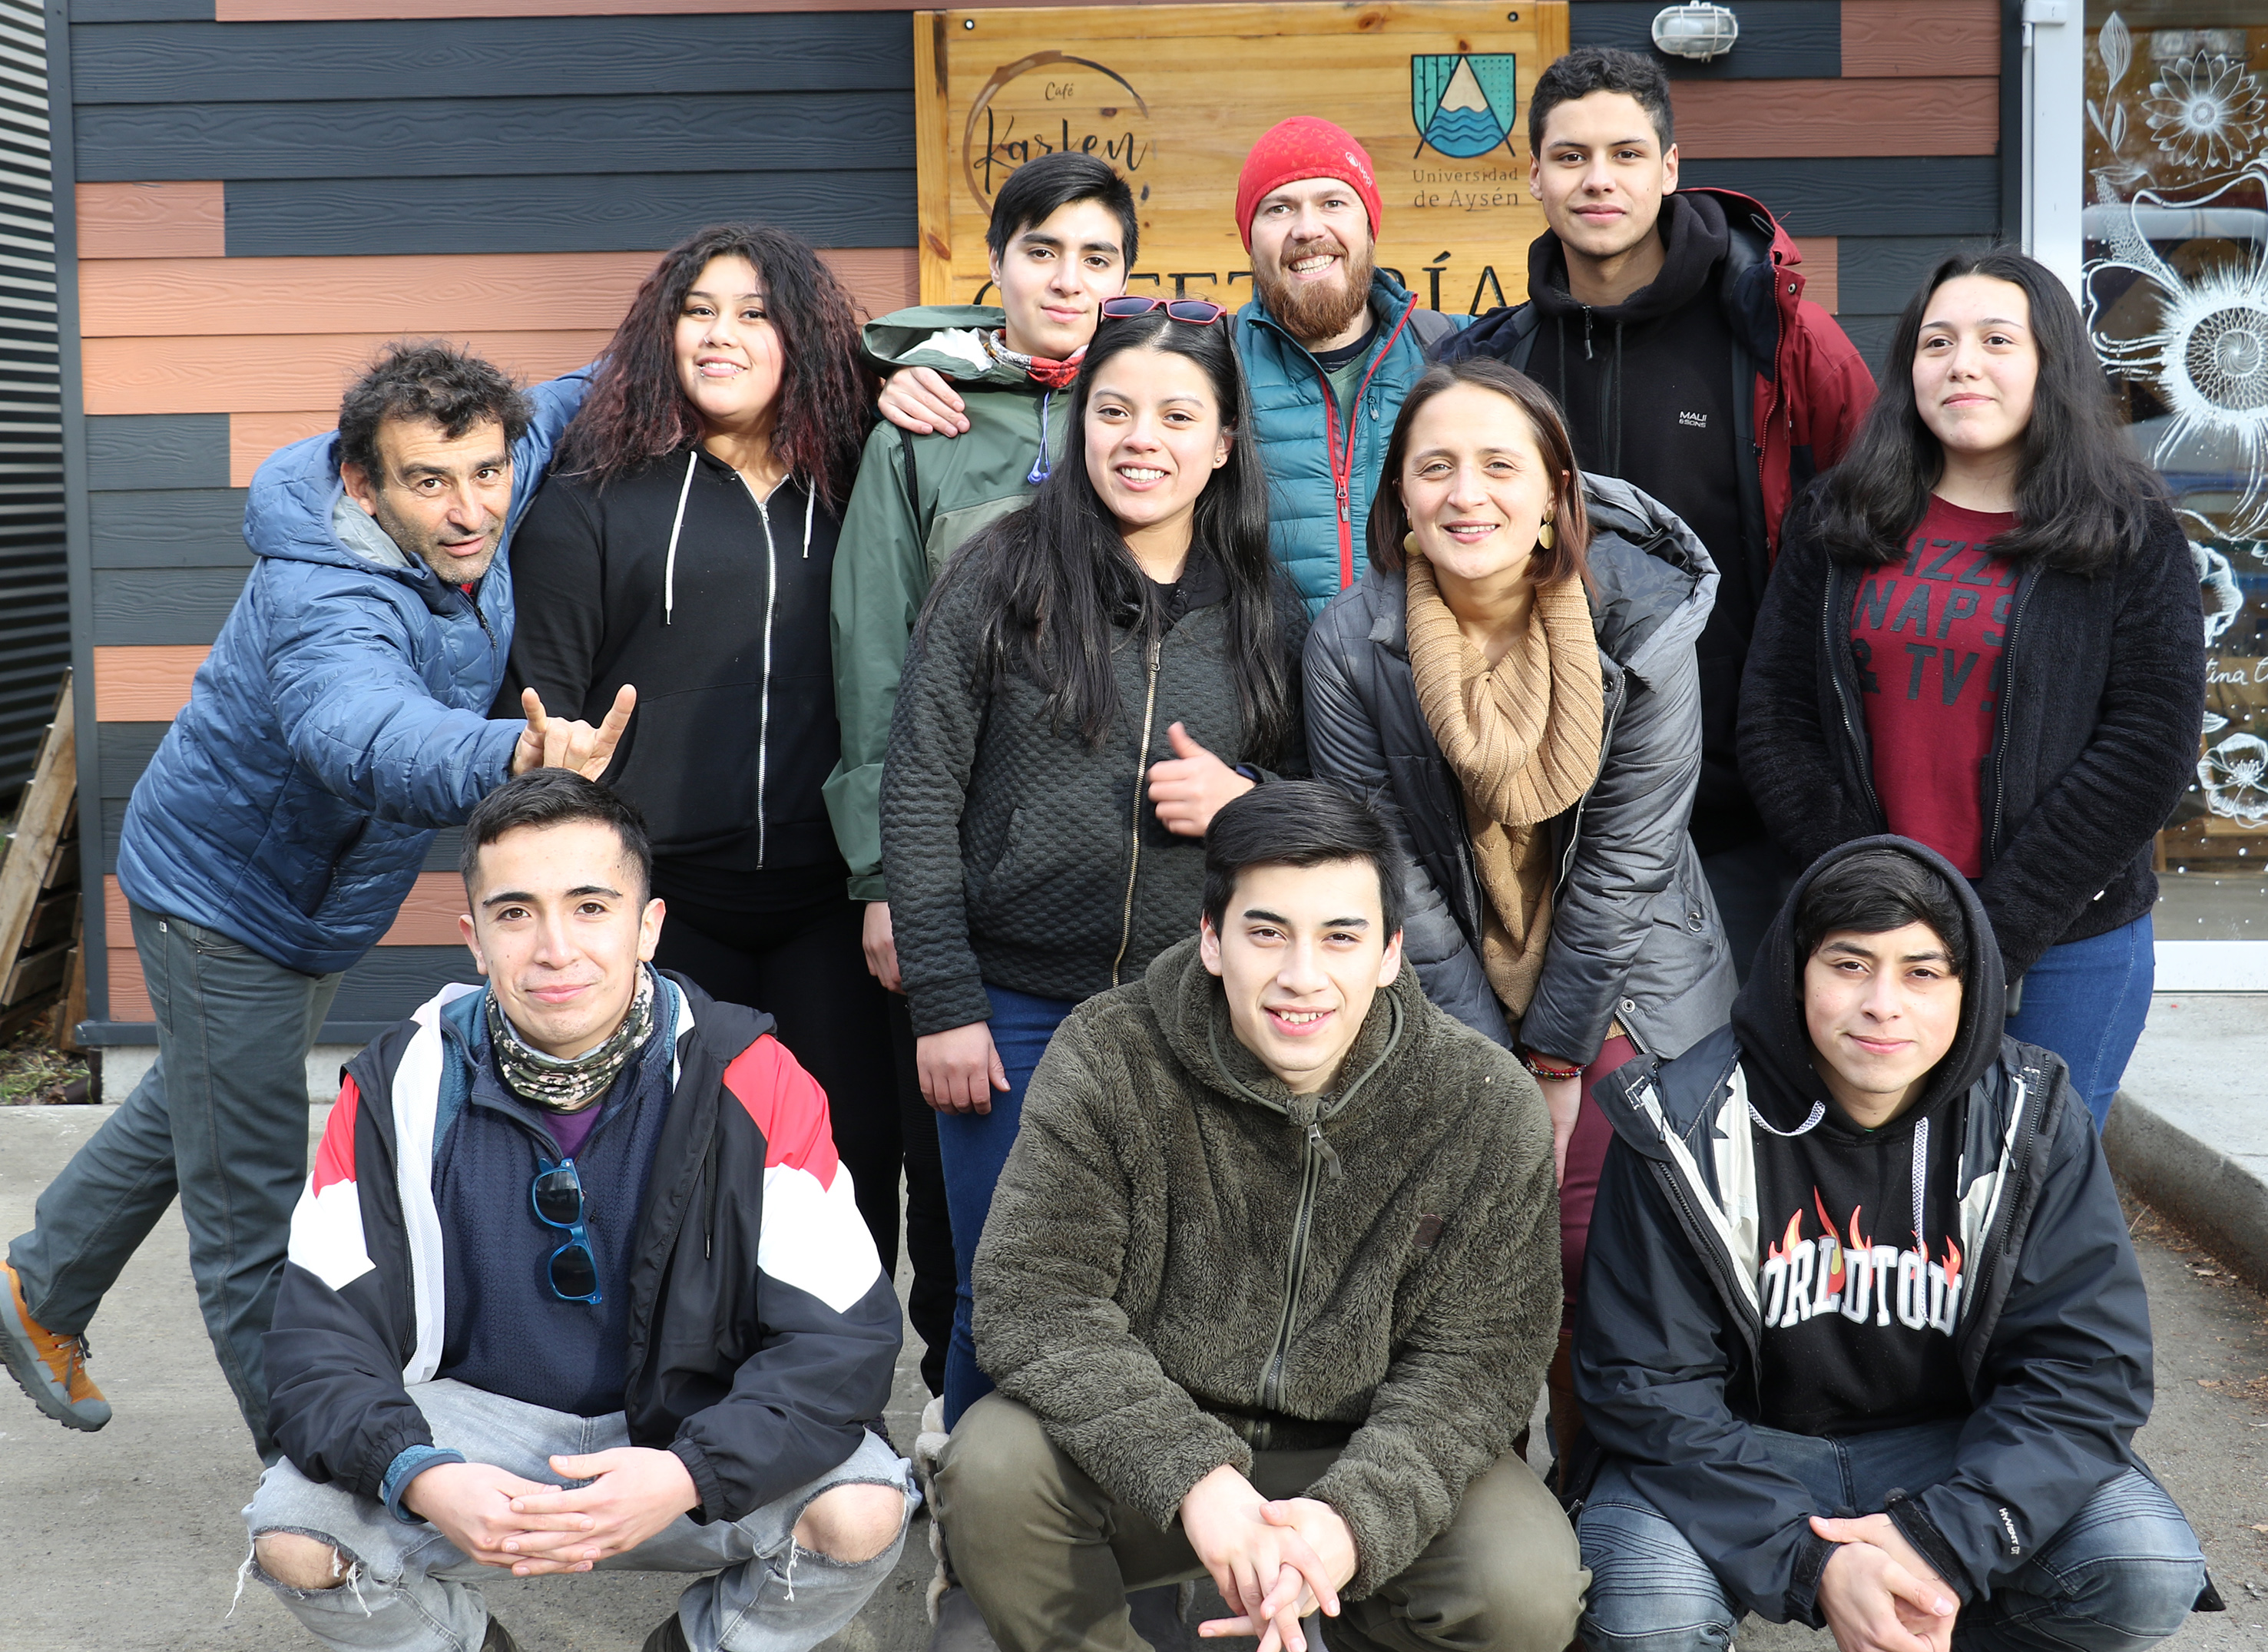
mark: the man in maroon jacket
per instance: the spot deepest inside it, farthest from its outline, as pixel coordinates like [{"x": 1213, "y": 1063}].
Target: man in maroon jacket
[{"x": 1671, "y": 325}]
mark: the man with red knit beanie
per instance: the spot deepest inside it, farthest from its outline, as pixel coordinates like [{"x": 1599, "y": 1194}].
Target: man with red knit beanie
[{"x": 1331, "y": 344}]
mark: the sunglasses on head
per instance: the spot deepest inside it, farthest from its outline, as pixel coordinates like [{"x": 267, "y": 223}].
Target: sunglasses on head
[
  {"x": 573, "y": 1268},
  {"x": 1196, "y": 311}
]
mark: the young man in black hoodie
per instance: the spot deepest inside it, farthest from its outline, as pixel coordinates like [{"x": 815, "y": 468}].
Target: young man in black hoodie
[
  {"x": 1672, "y": 326},
  {"x": 1862, "y": 1335}
]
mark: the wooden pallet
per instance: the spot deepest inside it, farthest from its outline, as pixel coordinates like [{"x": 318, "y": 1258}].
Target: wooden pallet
[{"x": 39, "y": 885}]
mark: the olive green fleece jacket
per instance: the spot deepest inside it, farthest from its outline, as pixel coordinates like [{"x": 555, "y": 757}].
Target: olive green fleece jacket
[
  {"x": 917, "y": 499},
  {"x": 1184, "y": 1260}
]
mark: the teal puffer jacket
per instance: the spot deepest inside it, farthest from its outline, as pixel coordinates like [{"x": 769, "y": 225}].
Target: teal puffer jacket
[{"x": 1320, "y": 477}]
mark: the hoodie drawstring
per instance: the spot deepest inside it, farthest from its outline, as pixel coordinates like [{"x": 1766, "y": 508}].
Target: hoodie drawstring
[
  {"x": 669, "y": 568},
  {"x": 1041, "y": 468},
  {"x": 1920, "y": 1177}
]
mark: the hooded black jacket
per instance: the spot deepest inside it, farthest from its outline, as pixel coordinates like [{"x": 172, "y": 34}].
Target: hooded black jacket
[
  {"x": 720, "y": 619},
  {"x": 2052, "y": 1338}
]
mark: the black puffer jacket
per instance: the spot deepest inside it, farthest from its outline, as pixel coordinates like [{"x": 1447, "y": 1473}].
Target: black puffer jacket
[
  {"x": 1017, "y": 853},
  {"x": 2052, "y": 1338},
  {"x": 2095, "y": 735},
  {"x": 1635, "y": 935}
]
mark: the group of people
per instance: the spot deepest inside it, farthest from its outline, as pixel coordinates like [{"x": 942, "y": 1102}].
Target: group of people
[{"x": 1366, "y": 866}]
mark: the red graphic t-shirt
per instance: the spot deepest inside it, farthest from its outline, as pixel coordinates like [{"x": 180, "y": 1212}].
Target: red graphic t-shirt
[{"x": 1926, "y": 636}]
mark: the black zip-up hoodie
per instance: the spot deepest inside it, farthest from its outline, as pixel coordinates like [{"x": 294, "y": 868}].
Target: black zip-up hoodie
[
  {"x": 2051, "y": 1336},
  {"x": 719, "y": 616}
]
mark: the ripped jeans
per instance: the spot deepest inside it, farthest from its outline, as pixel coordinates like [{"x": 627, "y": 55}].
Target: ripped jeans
[{"x": 408, "y": 1588}]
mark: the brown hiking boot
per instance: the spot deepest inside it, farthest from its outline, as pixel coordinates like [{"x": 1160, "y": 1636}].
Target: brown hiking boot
[{"x": 51, "y": 1369}]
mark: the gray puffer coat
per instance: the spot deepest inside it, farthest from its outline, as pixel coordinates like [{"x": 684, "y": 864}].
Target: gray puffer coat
[{"x": 1635, "y": 936}]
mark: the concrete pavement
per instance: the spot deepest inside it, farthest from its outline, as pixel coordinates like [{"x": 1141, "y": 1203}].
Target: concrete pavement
[{"x": 129, "y": 1540}]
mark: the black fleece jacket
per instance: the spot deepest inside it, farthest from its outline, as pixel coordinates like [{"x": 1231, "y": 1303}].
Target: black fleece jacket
[
  {"x": 727, "y": 644},
  {"x": 1019, "y": 854},
  {"x": 2101, "y": 696},
  {"x": 2052, "y": 1335}
]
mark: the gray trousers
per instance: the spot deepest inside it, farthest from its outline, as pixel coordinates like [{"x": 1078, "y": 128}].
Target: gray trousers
[
  {"x": 221, "y": 1120},
  {"x": 1047, "y": 1556},
  {"x": 408, "y": 1588}
]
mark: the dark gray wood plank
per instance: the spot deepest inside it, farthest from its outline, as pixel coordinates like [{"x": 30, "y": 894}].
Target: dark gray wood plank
[
  {"x": 1780, "y": 40},
  {"x": 1946, "y": 195},
  {"x": 84, "y": 11},
  {"x": 126, "y": 749},
  {"x": 390, "y": 982},
  {"x": 163, "y": 606},
  {"x": 449, "y": 138},
  {"x": 1877, "y": 274},
  {"x": 867, "y": 52},
  {"x": 158, "y": 450},
  {"x": 169, "y": 528},
  {"x": 552, "y": 213},
  {"x": 1872, "y": 334}
]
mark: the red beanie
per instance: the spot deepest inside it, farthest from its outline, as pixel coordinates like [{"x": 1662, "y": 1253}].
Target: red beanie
[{"x": 1303, "y": 147}]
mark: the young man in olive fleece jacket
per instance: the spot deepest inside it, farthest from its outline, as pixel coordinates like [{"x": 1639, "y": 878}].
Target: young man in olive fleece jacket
[{"x": 1268, "y": 1285}]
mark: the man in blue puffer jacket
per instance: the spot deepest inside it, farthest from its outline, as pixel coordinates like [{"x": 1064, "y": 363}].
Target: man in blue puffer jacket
[{"x": 340, "y": 718}]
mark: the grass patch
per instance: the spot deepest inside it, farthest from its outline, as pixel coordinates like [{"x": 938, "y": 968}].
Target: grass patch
[{"x": 33, "y": 1072}]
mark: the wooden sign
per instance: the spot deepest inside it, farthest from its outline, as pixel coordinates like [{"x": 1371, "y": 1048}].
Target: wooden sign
[{"x": 1174, "y": 96}]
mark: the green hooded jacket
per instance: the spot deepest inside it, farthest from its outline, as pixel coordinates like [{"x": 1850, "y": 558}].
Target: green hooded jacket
[{"x": 918, "y": 500}]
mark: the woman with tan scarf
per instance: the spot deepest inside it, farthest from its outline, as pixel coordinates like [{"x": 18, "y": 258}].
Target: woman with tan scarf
[{"x": 1513, "y": 681}]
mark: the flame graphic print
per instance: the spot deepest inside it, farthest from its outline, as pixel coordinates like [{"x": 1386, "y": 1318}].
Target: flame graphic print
[{"x": 1883, "y": 1285}]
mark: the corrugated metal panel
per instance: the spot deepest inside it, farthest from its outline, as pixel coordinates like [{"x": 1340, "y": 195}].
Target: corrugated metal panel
[{"x": 35, "y": 585}]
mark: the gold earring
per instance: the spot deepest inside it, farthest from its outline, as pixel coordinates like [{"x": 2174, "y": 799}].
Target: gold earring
[
  {"x": 1410, "y": 543},
  {"x": 1546, "y": 534}
]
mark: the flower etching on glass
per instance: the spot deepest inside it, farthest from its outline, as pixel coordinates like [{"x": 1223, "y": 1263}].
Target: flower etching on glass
[
  {"x": 2234, "y": 776},
  {"x": 2206, "y": 112},
  {"x": 2217, "y": 584}
]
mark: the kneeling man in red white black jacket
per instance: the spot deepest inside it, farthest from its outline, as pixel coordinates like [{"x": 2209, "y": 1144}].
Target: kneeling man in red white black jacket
[{"x": 577, "y": 1281}]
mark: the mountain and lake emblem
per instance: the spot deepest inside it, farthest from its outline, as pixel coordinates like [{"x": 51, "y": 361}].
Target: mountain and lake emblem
[{"x": 1462, "y": 103}]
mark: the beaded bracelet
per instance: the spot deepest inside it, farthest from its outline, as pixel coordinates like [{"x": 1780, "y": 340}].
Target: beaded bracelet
[{"x": 1543, "y": 1072}]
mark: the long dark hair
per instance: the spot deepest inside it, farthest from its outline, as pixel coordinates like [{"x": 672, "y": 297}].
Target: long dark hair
[
  {"x": 636, "y": 410},
  {"x": 1051, "y": 577},
  {"x": 1570, "y": 524},
  {"x": 2082, "y": 495}
]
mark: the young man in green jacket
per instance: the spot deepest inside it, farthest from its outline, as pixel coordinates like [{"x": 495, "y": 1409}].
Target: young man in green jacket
[
  {"x": 1269, "y": 1287},
  {"x": 1062, "y": 237}
]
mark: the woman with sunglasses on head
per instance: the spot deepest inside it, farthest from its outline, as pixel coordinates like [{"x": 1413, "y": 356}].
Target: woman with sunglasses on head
[
  {"x": 1090, "y": 679},
  {"x": 1514, "y": 682},
  {"x": 1984, "y": 632},
  {"x": 685, "y": 541}
]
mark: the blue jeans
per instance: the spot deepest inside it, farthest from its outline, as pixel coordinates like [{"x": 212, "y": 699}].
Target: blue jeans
[
  {"x": 2121, "y": 1575},
  {"x": 408, "y": 1588},
  {"x": 2086, "y": 1002},
  {"x": 221, "y": 1120},
  {"x": 973, "y": 1147}
]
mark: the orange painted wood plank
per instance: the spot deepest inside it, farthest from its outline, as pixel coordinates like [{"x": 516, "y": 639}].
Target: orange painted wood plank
[
  {"x": 1920, "y": 37},
  {"x": 1820, "y": 270},
  {"x": 151, "y": 220},
  {"x": 442, "y": 294},
  {"x": 252, "y": 437},
  {"x": 130, "y": 990},
  {"x": 428, "y": 918},
  {"x": 1760, "y": 119},
  {"x": 143, "y": 683},
  {"x": 285, "y": 373}
]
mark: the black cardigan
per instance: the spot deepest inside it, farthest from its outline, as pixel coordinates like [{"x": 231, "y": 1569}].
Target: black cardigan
[{"x": 2096, "y": 737}]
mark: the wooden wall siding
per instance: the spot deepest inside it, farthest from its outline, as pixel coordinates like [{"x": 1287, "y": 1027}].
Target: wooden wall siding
[
  {"x": 168, "y": 450},
  {"x": 283, "y": 373},
  {"x": 1822, "y": 269},
  {"x": 271, "y": 11},
  {"x": 380, "y": 991},
  {"x": 428, "y": 917},
  {"x": 162, "y": 297},
  {"x": 1921, "y": 37},
  {"x": 1779, "y": 39},
  {"x": 152, "y": 220},
  {"x": 1958, "y": 195},
  {"x": 1836, "y": 117},
  {"x": 143, "y": 685},
  {"x": 252, "y": 437},
  {"x": 35, "y": 618}
]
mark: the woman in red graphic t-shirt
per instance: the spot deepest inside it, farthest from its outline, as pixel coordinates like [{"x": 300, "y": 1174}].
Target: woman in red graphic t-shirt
[{"x": 1984, "y": 632}]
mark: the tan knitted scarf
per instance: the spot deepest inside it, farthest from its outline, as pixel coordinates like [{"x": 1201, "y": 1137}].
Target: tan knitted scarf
[{"x": 1523, "y": 741}]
